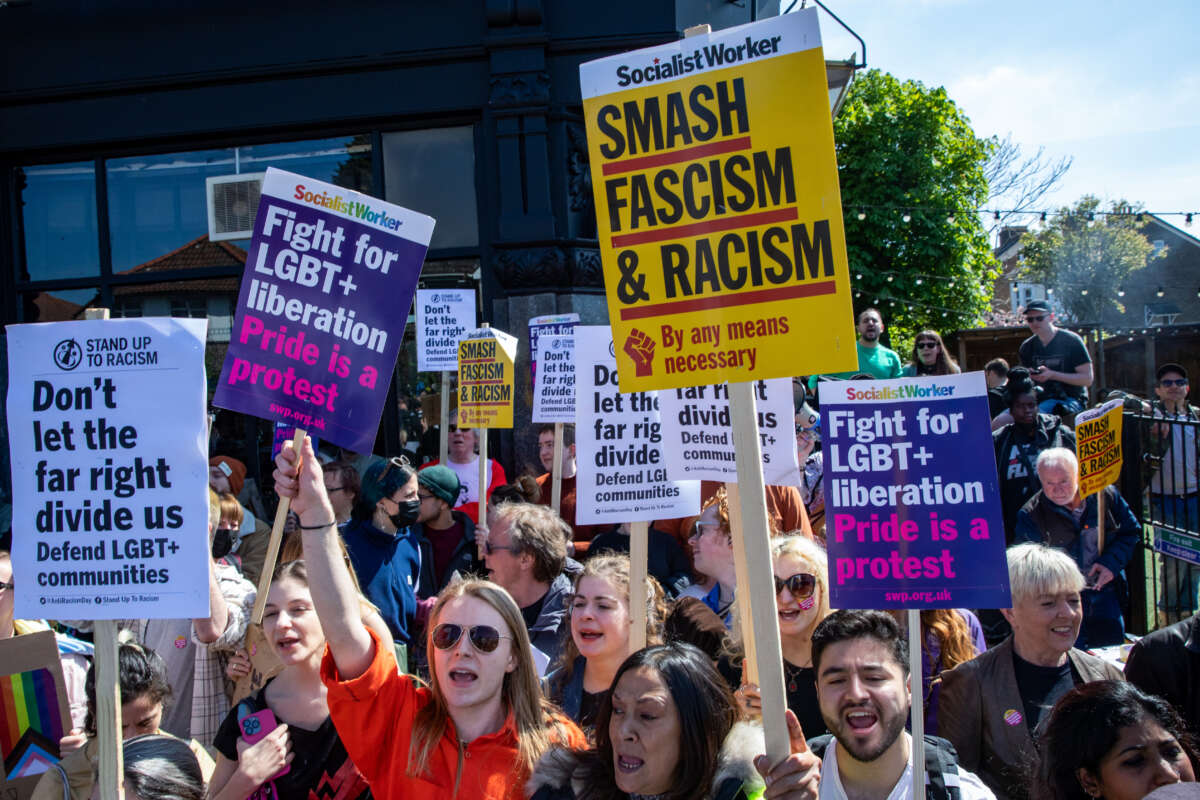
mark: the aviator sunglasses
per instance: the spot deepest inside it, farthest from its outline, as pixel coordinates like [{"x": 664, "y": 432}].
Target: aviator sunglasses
[
  {"x": 484, "y": 638},
  {"x": 801, "y": 585}
]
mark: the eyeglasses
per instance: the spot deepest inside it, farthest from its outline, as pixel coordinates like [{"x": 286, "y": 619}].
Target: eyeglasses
[
  {"x": 4, "y": 587},
  {"x": 399, "y": 462},
  {"x": 700, "y": 528},
  {"x": 424, "y": 497},
  {"x": 801, "y": 585},
  {"x": 332, "y": 489},
  {"x": 454, "y": 428},
  {"x": 1173, "y": 382},
  {"x": 490, "y": 548},
  {"x": 484, "y": 638},
  {"x": 1037, "y": 318},
  {"x": 926, "y": 345}
]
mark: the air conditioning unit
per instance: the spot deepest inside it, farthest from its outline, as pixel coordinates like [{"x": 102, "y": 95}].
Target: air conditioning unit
[{"x": 233, "y": 205}]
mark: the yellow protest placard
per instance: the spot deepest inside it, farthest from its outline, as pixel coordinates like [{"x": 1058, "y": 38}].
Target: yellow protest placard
[
  {"x": 485, "y": 379},
  {"x": 718, "y": 209},
  {"x": 1098, "y": 447}
]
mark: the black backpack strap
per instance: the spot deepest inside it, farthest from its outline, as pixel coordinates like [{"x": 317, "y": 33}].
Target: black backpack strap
[
  {"x": 818, "y": 744},
  {"x": 941, "y": 770}
]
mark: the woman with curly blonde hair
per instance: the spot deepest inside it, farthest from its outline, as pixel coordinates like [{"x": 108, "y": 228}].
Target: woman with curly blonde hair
[
  {"x": 802, "y": 601},
  {"x": 600, "y": 626}
]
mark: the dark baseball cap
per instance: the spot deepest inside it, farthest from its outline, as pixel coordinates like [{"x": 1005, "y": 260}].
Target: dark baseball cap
[
  {"x": 442, "y": 482},
  {"x": 1170, "y": 367},
  {"x": 1037, "y": 305}
]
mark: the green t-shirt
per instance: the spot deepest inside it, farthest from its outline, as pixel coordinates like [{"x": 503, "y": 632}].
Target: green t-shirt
[{"x": 878, "y": 361}]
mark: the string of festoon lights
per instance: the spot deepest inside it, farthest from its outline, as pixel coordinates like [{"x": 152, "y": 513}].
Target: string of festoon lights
[{"x": 905, "y": 213}]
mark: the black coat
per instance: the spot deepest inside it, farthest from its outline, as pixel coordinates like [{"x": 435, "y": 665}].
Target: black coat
[{"x": 1167, "y": 663}]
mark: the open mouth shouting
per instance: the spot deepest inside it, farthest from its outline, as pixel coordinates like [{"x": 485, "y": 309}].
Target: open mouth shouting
[
  {"x": 628, "y": 764},
  {"x": 288, "y": 644},
  {"x": 462, "y": 677},
  {"x": 861, "y": 720}
]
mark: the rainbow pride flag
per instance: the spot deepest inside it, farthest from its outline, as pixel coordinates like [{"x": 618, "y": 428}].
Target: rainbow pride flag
[{"x": 28, "y": 700}]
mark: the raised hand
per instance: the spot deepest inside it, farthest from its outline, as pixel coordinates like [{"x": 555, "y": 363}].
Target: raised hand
[{"x": 797, "y": 777}]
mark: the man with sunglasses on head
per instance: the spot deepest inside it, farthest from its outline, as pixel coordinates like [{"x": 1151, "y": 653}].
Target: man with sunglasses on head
[
  {"x": 461, "y": 457},
  {"x": 526, "y": 552},
  {"x": 1057, "y": 360}
]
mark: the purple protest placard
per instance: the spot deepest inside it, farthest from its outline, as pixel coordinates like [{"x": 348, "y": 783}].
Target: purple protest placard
[
  {"x": 329, "y": 279},
  {"x": 912, "y": 504}
]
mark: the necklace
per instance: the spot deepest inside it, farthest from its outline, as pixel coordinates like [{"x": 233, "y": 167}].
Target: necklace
[{"x": 792, "y": 674}]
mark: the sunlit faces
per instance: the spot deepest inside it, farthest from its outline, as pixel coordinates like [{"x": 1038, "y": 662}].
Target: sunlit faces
[
  {"x": 712, "y": 550},
  {"x": 386, "y": 507},
  {"x": 546, "y": 450},
  {"x": 1169, "y": 389},
  {"x": 461, "y": 445},
  {"x": 219, "y": 481},
  {"x": 290, "y": 623},
  {"x": 468, "y": 678},
  {"x": 600, "y": 619},
  {"x": 645, "y": 733},
  {"x": 1045, "y": 626},
  {"x": 1024, "y": 409},
  {"x": 140, "y": 715},
  {"x": 870, "y": 326},
  {"x": 1144, "y": 758},
  {"x": 504, "y": 566},
  {"x": 927, "y": 351},
  {"x": 796, "y": 617},
  {"x": 1059, "y": 484},
  {"x": 864, "y": 696},
  {"x": 339, "y": 496}
]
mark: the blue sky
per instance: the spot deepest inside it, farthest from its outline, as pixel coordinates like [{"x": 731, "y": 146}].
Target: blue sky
[{"x": 1115, "y": 85}]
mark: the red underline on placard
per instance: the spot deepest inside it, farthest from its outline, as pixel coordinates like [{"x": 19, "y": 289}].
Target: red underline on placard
[
  {"x": 708, "y": 226},
  {"x": 731, "y": 300},
  {"x": 676, "y": 156},
  {"x": 477, "y": 361},
  {"x": 1108, "y": 449},
  {"x": 469, "y": 406},
  {"x": 482, "y": 383}
]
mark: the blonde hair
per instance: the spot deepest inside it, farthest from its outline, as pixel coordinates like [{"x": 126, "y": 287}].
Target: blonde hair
[
  {"x": 614, "y": 568},
  {"x": 538, "y": 726},
  {"x": 813, "y": 555},
  {"x": 1035, "y": 569},
  {"x": 292, "y": 549}
]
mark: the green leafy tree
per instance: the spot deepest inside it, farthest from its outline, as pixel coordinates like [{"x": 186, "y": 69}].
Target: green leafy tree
[
  {"x": 905, "y": 150},
  {"x": 1086, "y": 255}
]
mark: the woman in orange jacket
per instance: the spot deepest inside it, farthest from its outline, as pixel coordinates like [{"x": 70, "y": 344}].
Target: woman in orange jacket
[{"x": 479, "y": 727}]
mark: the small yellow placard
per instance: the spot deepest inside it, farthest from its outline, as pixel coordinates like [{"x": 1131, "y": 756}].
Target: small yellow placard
[
  {"x": 485, "y": 379},
  {"x": 1098, "y": 447}
]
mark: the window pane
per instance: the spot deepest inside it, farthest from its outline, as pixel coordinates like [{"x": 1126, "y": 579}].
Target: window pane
[
  {"x": 58, "y": 209},
  {"x": 158, "y": 204},
  {"x": 433, "y": 171},
  {"x": 57, "y": 305}
]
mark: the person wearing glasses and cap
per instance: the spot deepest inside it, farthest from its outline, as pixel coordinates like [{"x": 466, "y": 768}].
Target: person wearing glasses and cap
[
  {"x": 446, "y": 536},
  {"x": 481, "y": 724},
  {"x": 1057, "y": 360},
  {"x": 462, "y": 458}
]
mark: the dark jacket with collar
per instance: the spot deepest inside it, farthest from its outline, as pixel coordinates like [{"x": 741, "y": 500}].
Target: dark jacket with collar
[
  {"x": 1167, "y": 663},
  {"x": 545, "y": 632},
  {"x": 974, "y": 715},
  {"x": 387, "y": 565},
  {"x": 465, "y": 560},
  {"x": 563, "y": 774},
  {"x": 1042, "y": 520},
  {"x": 1048, "y": 431}
]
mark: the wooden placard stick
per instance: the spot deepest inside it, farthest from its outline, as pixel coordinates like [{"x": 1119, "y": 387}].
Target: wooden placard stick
[
  {"x": 1100, "y": 523},
  {"x": 754, "y": 540},
  {"x": 108, "y": 688},
  {"x": 556, "y": 470},
  {"x": 444, "y": 419},
  {"x": 917, "y": 712},
  {"x": 264, "y": 581},
  {"x": 639, "y": 535},
  {"x": 481, "y": 436},
  {"x": 744, "y": 621}
]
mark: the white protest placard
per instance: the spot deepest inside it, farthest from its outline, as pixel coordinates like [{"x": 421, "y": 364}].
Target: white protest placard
[
  {"x": 109, "y": 446},
  {"x": 698, "y": 435},
  {"x": 554, "y": 382},
  {"x": 551, "y": 325},
  {"x": 618, "y": 444},
  {"x": 443, "y": 316}
]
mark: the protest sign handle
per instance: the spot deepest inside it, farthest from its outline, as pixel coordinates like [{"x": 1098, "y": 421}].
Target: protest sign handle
[
  {"x": 264, "y": 581},
  {"x": 744, "y": 621},
  {"x": 917, "y": 711},
  {"x": 639, "y": 535},
  {"x": 483, "y": 481},
  {"x": 1100, "y": 523},
  {"x": 556, "y": 470},
  {"x": 444, "y": 419},
  {"x": 108, "y": 710},
  {"x": 755, "y": 542}
]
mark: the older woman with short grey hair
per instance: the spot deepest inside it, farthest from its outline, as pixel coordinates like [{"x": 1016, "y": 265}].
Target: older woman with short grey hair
[{"x": 991, "y": 705}]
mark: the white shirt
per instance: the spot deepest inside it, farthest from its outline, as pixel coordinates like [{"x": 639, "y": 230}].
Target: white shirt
[
  {"x": 468, "y": 476},
  {"x": 1177, "y": 475},
  {"x": 969, "y": 785}
]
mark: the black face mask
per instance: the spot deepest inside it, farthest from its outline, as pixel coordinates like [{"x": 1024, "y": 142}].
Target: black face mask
[
  {"x": 406, "y": 513},
  {"x": 222, "y": 543}
]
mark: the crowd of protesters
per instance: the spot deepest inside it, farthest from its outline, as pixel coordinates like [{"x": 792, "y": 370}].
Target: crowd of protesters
[{"x": 418, "y": 649}]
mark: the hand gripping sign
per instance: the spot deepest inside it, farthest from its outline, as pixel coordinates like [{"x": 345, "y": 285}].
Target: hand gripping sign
[
  {"x": 316, "y": 333},
  {"x": 717, "y": 207}
]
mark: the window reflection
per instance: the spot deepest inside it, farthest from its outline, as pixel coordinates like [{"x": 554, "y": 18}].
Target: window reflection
[
  {"x": 57, "y": 305},
  {"x": 58, "y": 209},
  {"x": 433, "y": 172},
  {"x": 158, "y": 204}
]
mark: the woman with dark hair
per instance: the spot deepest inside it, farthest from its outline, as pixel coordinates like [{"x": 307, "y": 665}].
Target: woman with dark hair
[
  {"x": 144, "y": 693},
  {"x": 670, "y": 730},
  {"x": 384, "y": 544},
  {"x": 1109, "y": 739},
  {"x": 304, "y": 740},
  {"x": 929, "y": 357},
  {"x": 159, "y": 768}
]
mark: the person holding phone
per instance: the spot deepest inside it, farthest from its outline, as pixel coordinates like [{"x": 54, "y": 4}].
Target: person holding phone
[
  {"x": 280, "y": 742},
  {"x": 478, "y": 728}
]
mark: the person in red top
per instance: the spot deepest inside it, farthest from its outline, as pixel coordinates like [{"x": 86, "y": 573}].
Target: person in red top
[
  {"x": 482, "y": 723},
  {"x": 580, "y": 534},
  {"x": 462, "y": 458}
]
